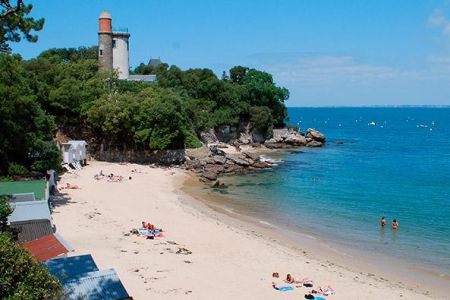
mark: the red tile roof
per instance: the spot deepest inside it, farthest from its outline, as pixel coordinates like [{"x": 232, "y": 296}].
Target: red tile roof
[{"x": 45, "y": 247}]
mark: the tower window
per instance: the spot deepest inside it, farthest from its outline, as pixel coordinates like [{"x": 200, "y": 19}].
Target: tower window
[
  {"x": 114, "y": 43},
  {"x": 101, "y": 52}
]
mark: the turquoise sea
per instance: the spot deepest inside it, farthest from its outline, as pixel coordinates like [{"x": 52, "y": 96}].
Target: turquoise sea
[{"x": 392, "y": 162}]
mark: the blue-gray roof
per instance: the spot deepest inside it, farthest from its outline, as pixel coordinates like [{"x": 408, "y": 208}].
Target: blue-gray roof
[
  {"x": 70, "y": 268},
  {"x": 29, "y": 210},
  {"x": 97, "y": 285},
  {"x": 32, "y": 229}
]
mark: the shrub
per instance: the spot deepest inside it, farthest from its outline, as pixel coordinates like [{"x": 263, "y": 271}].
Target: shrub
[
  {"x": 17, "y": 170},
  {"x": 23, "y": 277}
]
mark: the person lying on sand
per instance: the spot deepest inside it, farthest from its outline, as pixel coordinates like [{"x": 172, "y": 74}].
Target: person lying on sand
[
  {"x": 325, "y": 291},
  {"x": 70, "y": 187},
  {"x": 305, "y": 281}
]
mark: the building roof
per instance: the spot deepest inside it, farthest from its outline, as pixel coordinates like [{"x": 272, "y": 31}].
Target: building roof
[
  {"x": 77, "y": 142},
  {"x": 45, "y": 247},
  {"x": 32, "y": 229},
  {"x": 16, "y": 187},
  {"x": 29, "y": 210},
  {"x": 97, "y": 285},
  {"x": 105, "y": 15},
  {"x": 69, "y": 268},
  {"x": 154, "y": 62},
  {"x": 146, "y": 78}
]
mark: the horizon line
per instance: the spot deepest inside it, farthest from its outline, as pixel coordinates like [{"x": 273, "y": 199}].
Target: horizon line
[{"x": 374, "y": 106}]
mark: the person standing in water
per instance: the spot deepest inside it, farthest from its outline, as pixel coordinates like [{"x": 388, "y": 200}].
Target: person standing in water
[
  {"x": 395, "y": 224},
  {"x": 383, "y": 221}
]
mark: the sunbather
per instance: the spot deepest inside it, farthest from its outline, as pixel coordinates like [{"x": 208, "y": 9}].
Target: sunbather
[
  {"x": 326, "y": 291},
  {"x": 289, "y": 279}
]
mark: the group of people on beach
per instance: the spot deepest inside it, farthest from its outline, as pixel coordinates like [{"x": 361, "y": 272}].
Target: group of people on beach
[
  {"x": 305, "y": 282},
  {"x": 148, "y": 231},
  {"x": 110, "y": 177},
  {"x": 394, "y": 224}
]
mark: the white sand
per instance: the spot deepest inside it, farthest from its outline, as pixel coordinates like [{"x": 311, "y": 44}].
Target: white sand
[{"x": 227, "y": 261}]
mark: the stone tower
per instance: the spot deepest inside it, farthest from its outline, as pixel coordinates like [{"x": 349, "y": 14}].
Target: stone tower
[
  {"x": 105, "y": 41},
  {"x": 120, "y": 52}
]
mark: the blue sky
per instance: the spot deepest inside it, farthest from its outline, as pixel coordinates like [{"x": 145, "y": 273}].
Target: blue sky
[{"x": 331, "y": 52}]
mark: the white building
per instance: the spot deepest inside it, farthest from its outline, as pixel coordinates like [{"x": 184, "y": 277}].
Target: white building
[
  {"x": 74, "y": 153},
  {"x": 120, "y": 53}
]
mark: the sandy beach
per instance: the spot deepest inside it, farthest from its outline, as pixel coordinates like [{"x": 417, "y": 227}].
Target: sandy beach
[{"x": 219, "y": 258}]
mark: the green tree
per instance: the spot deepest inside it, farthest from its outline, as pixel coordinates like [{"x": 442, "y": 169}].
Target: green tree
[
  {"x": 5, "y": 211},
  {"x": 26, "y": 127},
  {"x": 15, "y": 24},
  {"x": 261, "y": 118},
  {"x": 21, "y": 276}
]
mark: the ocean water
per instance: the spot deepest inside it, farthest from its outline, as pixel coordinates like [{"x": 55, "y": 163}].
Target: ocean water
[{"x": 397, "y": 167}]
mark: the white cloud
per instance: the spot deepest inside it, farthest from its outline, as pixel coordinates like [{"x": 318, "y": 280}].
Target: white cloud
[
  {"x": 327, "y": 79},
  {"x": 438, "y": 20},
  {"x": 327, "y": 68}
]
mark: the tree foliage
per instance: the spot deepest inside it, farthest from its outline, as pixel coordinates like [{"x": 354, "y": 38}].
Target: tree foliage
[
  {"x": 63, "y": 88},
  {"x": 26, "y": 135},
  {"x": 21, "y": 276},
  {"x": 14, "y": 23}
]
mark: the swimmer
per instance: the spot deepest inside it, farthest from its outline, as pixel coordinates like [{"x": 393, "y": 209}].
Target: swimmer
[
  {"x": 395, "y": 224},
  {"x": 383, "y": 221}
]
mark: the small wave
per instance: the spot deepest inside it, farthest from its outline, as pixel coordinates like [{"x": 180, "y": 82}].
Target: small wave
[
  {"x": 228, "y": 210},
  {"x": 266, "y": 223},
  {"x": 270, "y": 160}
]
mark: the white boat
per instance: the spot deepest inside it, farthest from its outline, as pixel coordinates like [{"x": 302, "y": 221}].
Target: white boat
[{"x": 372, "y": 123}]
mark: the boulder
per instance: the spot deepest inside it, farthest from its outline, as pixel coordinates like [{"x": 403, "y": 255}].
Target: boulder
[
  {"x": 314, "y": 144},
  {"x": 295, "y": 139},
  {"x": 213, "y": 168},
  {"x": 209, "y": 137},
  {"x": 216, "y": 151},
  {"x": 192, "y": 164},
  {"x": 245, "y": 138},
  {"x": 251, "y": 155},
  {"x": 209, "y": 175},
  {"x": 315, "y": 135},
  {"x": 261, "y": 165},
  {"x": 238, "y": 160},
  {"x": 218, "y": 159}
]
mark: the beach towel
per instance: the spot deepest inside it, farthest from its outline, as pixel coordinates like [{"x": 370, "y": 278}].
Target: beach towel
[{"x": 283, "y": 288}]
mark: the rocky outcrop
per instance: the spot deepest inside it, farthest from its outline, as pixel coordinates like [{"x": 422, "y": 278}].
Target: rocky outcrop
[
  {"x": 286, "y": 138},
  {"x": 209, "y": 137},
  {"x": 315, "y": 135},
  {"x": 218, "y": 162}
]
